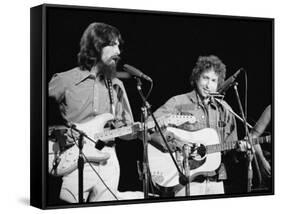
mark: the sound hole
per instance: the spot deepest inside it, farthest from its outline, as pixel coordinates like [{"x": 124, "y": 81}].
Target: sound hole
[
  {"x": 201, "y": 150},
  {"x": 199, "y": 158}
]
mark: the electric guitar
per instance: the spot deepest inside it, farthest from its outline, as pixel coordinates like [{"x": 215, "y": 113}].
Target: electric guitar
[
  {"x": 64, "y": 162},
  {"x": 206, "y": 149}
]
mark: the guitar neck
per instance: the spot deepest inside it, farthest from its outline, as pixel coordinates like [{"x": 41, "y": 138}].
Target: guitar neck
[
  {"x": 109, "y": 134},
  {"x": 234, "y": 144},
  {"x": 119, "y": 132}
]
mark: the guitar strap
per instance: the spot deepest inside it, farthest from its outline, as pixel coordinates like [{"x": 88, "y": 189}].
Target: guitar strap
[{"x": 111, "y": 98}]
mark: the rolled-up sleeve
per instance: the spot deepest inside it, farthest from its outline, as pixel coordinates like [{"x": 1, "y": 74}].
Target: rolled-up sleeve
[{"x": 56, "y": 87}]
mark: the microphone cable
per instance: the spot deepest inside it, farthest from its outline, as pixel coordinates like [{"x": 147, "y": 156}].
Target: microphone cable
[{"x": 150, "y": 90}]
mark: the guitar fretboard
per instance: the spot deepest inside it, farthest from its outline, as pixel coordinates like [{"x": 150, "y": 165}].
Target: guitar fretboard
[
  {"x": 234, "y": 144},
  {"x": 113, "y": 133},
  {"x": 109, "y": 134}
]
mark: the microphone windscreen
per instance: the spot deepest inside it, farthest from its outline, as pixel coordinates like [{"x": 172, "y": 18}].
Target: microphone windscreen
[{"x": 123, "y": 75}]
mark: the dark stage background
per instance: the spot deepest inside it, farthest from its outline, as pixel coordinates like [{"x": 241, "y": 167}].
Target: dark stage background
[{"x": 166, "y": 47}]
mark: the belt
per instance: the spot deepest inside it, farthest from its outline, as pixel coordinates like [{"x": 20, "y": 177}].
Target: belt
[
  {"x": 100, "y": 144},
  {"x": 202, "y": 178}
]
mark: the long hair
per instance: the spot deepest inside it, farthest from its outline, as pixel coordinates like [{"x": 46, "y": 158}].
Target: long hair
[
  {"x": 95, "y": 37},
  {"x": 205, "y": 63}
]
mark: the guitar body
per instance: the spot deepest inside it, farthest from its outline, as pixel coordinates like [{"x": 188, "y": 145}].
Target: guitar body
[
  {"x": 68, "y": 159},
  {"x": 62, "y": 163},
  {"x": 163, "y": 171}
]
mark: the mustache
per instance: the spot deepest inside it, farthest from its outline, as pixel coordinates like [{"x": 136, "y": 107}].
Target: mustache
[{"x": 116, "y": 58}]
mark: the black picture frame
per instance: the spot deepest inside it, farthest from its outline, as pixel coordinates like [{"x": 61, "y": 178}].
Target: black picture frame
[{"x": 165, "y": 46}]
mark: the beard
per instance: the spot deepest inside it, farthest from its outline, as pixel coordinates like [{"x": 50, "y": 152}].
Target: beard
[{"x": 108, "y": 70}]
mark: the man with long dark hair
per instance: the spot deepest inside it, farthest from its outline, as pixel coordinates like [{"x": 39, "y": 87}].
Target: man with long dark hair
[{"x": 88, "y": 91}]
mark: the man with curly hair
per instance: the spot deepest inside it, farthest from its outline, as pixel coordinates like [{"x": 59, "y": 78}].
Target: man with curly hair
[
  {"x": 207, "y": 76},
  {"x": 85, "y": 92}
]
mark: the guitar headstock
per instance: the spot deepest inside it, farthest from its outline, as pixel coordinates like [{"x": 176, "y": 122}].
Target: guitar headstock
[
  {"x": 178, "y": 119},
  {"x": 173, "y": 120}
]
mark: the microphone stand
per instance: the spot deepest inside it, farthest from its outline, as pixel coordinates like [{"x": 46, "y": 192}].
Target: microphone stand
[
  {"x": 80, "y": 162},
  {"x": 80, "y": 169},
  {"x": 146, "y": 110},
  {"x": 232, "y": 112},
  {"x": 186, "y": 151},
  {"x": 251, "y": 152}
]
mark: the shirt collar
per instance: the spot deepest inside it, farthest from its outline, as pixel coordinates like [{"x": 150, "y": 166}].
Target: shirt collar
[
  {"x": 192, "y": 96},
  {"x": 83, "y": 75}
]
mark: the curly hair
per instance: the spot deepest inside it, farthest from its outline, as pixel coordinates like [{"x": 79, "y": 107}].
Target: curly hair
[
  {"x": 95, "y": 37},
  {"x": 205, "y": 63}
]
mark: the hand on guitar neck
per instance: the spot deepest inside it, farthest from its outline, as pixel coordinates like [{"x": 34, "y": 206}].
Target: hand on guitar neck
[{"x": 135, "y": 134}]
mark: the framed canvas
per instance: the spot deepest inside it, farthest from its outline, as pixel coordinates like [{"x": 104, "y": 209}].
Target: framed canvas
[{"x": 99, "y": 78}]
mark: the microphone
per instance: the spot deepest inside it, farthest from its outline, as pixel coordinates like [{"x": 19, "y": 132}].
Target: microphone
[
  {"x": 135, "y": 72},
  {"x": 229, "y": 82},
  {"x": 123, "y": 75}
]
